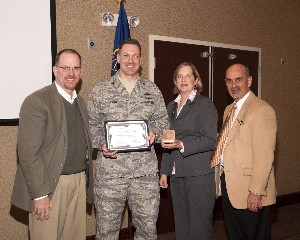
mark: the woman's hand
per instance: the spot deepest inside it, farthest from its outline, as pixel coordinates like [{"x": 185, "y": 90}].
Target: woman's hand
[
  {"x": 177, "y": 144},
  {"x": 163, "y": 181}
]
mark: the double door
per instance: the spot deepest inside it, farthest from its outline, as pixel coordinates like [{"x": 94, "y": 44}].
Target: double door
[{"x": 211, "y": 60}]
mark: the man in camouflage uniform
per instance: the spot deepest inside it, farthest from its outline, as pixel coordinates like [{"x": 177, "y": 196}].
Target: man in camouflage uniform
[{"x": 130, "y": 175}]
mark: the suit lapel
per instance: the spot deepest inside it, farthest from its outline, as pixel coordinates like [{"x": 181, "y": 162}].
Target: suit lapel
[
  {"x": 172, "y": 111},
  {"x": 187, "y": 107},
  {"x": 185, "y": 110},
  {"x": 240, "y": 119},
  {"x": 59, "y": 111}
]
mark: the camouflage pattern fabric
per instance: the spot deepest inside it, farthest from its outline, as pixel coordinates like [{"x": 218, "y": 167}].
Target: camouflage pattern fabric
[
  {"x": 143, "y": 200},
  {"x": 111, "y": 101},
  {"x": 132, "y": 175}
]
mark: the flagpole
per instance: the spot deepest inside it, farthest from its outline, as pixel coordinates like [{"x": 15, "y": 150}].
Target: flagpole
[{"x": 122, "y": 33}]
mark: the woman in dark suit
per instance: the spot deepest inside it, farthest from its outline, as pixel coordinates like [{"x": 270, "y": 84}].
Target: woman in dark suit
[{"x": 186, "y": 160}]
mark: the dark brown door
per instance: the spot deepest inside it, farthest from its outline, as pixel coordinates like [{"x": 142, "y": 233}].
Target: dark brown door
[
  {"x": 168, "y": 55},
  {"x": 222, "y": 59}
]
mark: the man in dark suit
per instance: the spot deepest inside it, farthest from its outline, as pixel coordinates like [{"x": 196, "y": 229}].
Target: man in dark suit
[
  {"x": 54, "y": 150},
  {"x": 247, "y": 183}
]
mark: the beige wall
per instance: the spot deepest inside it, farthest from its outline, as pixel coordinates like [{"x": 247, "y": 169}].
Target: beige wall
[{"x": 270, "y": 25}]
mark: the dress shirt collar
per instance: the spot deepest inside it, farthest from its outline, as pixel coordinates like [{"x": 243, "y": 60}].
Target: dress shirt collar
[
  {"x": 240, "y": 103},
  {"x": 69, "y": 98},
  {"x": 191, "y": 96}
]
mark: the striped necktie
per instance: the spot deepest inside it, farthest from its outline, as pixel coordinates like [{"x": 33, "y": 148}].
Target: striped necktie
[{"x": 222, "y": 138}]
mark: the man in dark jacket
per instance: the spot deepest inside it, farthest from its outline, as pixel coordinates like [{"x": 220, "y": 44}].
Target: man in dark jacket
[{"x": 54, "y": 150}]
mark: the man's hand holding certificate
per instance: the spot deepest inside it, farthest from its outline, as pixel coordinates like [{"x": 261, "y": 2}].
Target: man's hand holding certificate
[{"x": 124, "y": 136}]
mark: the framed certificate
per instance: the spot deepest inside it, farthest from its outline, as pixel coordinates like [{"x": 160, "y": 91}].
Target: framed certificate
[{"x": 127, "y": 136}]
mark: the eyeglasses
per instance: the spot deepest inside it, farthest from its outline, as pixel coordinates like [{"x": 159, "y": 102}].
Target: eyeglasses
[
  {"x": 68, "y": 69},
  {"x": 188, "y": 76}
]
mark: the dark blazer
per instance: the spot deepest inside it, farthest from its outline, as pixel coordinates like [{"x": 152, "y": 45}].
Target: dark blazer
[
  {"x": 42, "y": 147},
  {"x": 196, "y": 127}
]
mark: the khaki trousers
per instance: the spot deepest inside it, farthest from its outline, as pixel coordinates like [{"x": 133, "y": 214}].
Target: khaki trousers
[{"x": 67, "y": 219}]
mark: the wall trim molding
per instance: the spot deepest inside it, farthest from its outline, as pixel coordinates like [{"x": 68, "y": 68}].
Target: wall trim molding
[
  {"x": 286, "y": 200},
  {"x": 281, "y": 201}
]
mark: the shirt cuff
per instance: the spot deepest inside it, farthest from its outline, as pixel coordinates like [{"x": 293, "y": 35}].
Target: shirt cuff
[
  {"x": 39, "y": 198},
  {"x": 182, "y": 148},
  {"x": 255, "y": 193}
]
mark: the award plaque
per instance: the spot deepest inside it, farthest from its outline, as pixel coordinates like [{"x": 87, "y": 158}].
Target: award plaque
[
  {"x": 127, "y": 136},
  {"x": 168, "y": 136}
]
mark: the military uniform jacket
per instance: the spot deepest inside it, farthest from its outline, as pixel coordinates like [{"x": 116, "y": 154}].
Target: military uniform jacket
[
  {"x": 42, "y": 146},
  {"x": 196, "y": 127},
  {"x": 110, "y": 101}
]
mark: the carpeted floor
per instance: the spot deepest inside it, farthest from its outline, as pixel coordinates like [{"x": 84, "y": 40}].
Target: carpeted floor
[{"x": 285, "y": 225}]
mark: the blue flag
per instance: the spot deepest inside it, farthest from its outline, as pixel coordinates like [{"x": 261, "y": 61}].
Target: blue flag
[{"x": 122, "y": 33}]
